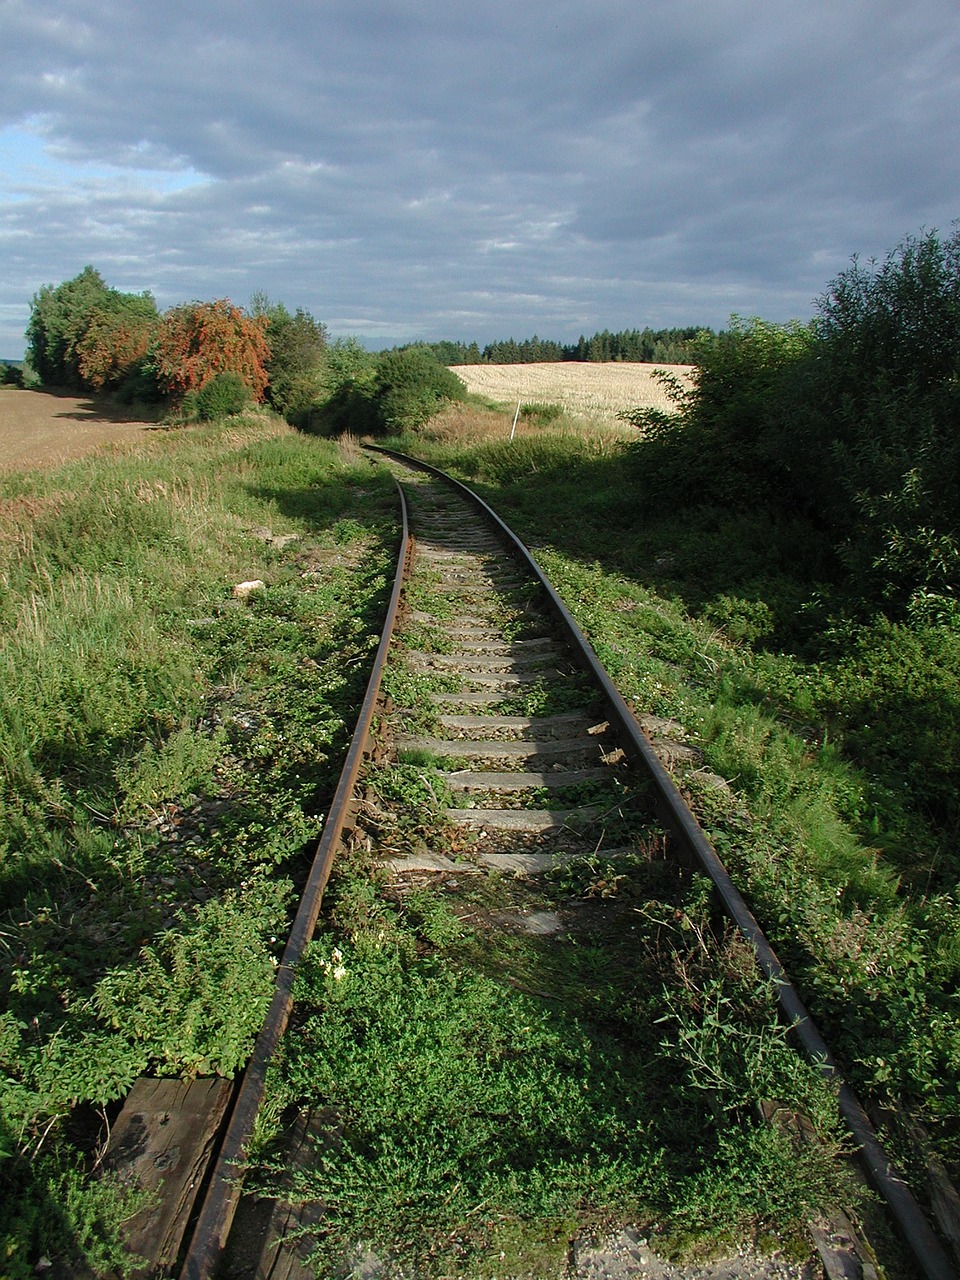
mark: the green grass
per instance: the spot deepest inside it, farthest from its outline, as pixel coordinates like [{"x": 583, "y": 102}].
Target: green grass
[{"x": 166, "y": 753}]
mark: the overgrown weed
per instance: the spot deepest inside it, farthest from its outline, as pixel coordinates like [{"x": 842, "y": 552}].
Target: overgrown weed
[{"x": 496, "y": 1092}]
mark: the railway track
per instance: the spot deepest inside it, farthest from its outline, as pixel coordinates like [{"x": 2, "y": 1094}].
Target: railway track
[{"x": 493, "y": 690}]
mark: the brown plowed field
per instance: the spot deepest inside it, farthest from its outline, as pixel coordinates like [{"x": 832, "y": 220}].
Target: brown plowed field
[{"x": 42, "y": 428}]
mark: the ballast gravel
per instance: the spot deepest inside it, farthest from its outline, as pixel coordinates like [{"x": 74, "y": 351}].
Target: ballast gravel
[{"x": 628, "y": 1256}]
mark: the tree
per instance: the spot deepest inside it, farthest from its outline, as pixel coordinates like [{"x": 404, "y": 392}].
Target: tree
[
  {"x": 58, "y": 318},
  {"x": 117, "y": 335},
  {"x": 198, "y": 340},
  {"x": 888, "y": 382},
  {"x": 295, "y": 366},
  {"x": 85, "y": 335}
]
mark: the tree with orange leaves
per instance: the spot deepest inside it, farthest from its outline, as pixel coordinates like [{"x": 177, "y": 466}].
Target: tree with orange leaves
[
  {"x": 117, "y": 335},
  {"x": 198, "y": 340}
]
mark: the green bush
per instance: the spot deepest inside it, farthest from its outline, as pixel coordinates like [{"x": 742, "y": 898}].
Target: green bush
[
  {"x": 396, "y": 392},
  {"x": 350, "y": 409},
  {"x": 850, "y": 422},
  {"x": 887, "y": 381},
  {"x": 410, "y": 387},
  {"x": 223, "y": 395},
  {"x": 541, "y": 413},
  {"x": 11, "y": 375},
  {"x": 140, "y": 385},
  {"x": 345, "y": 403}
]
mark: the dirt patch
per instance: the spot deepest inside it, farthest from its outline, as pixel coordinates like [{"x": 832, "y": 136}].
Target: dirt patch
[{"x": 43, "y": 428}]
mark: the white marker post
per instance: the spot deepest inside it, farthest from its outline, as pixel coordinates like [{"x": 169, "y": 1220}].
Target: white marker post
[{"x": 513, "y": 429}]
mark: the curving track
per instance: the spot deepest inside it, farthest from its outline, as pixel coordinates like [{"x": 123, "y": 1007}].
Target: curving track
[{"x": 548, "y": 762}]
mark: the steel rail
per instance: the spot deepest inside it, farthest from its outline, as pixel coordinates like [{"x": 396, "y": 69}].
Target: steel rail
[
  {"x": 213, "y": 1223},
  {"x": 916, "y": 1231}
]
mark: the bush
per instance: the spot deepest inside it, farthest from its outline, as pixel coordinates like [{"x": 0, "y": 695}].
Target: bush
[
  {"x": 140, "y": 385},
  {"x": 729, "y": 442},
  {"x": 11, "y": 375},
  {"x": 398, "y": 391},
  {"x": 350, "y": 408},
  {"x": 851, "y": 422},
  {"x": 888, "y": 383},
  {"x": 346, "y": 402},
  {"x": 223, "y": 395},
  {"x": 410, "y": 387},
  {"x": 541, "y": 413},
  {"x": 115, "y": 338}
]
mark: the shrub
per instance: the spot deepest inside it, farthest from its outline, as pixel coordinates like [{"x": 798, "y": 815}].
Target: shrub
[
  {"x": 541, "y": 413},
  {"x": 346, "y": 402},
  {"x": 728, "y": 443},
  {"x": 140, "y": 385},
  {"x": 888, "y": 383},
  {"x": 11, "y": 375},
  {"x": 223, "y": 395},
  {"x": 398, "y": 391},
  {"x": 850, "y": 422},
  {"x": 410, "y": 387}
]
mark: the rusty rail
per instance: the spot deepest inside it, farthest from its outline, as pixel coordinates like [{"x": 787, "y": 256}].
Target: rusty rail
[{"x": 212, "y": 1228}]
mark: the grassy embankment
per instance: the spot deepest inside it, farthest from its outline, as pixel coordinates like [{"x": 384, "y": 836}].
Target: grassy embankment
[
  {"x": 159, "y": 781},
  {"x": 166, "y": 752}
]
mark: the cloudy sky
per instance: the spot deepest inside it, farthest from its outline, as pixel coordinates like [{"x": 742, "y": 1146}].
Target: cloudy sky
[{"x": 437, "y": 168}]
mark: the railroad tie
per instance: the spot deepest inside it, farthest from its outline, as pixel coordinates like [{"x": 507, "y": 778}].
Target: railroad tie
[
  {"x": 514, "y": 780},
  {"x": 526, "y": 820},
  {"x": 505, "y": 748}
]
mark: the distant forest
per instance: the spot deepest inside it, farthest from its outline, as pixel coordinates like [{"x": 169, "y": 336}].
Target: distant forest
[{"x": 661, "y": 346}]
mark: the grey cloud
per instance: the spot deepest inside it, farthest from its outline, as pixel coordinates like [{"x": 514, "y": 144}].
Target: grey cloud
[{"x": 412, "y": 166}]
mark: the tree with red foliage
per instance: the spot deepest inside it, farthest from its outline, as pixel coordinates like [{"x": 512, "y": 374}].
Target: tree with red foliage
[
  {"x": 117, "y": 335},
  {"x": 197, "y": 341}
]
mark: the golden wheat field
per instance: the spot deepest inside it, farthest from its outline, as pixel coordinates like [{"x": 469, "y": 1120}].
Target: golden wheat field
[{"x": 595, "y": 391}]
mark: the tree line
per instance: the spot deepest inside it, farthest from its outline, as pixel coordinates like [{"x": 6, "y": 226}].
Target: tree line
[
  {"x": 85, "y": 336},
  {"x": 209, "y": 359},
  {"x": 647, "y": 346}
]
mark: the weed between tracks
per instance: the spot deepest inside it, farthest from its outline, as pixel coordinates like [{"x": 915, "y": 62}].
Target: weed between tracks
[
  {"x": 511, "y": 1062},
  {"x": 498, "y": 1090}
]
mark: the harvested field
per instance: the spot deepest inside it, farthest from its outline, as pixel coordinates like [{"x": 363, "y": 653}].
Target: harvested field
[
  {"x": 595, "y": 391},
  {"x": 43, "y": 428}
]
